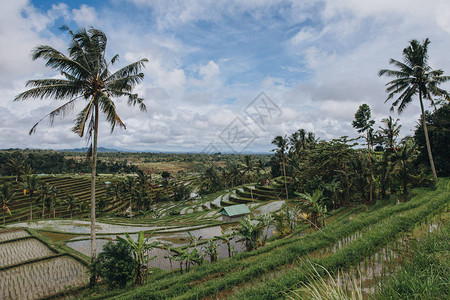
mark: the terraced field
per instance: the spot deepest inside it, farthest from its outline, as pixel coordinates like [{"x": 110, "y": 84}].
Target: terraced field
[
  {"x": 29, "y": 269},
  {"x": 79, "y": 187},
  {"x": 356, "y": 237}
]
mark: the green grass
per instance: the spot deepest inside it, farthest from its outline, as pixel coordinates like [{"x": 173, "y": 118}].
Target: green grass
[{"x": 426, "y": 272}]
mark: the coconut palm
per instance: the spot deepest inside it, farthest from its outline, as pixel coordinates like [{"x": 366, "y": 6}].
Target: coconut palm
[
  {"x": 44, "y": 190},
  {"x": 31, "y": 186},
  {"x": 53, "y": 190},
  {"x": 129, "y": 185},
  {"x": 70, "y": 201},
  {"x": 6, "y": 196},
  {"x": 86, "y": 76},
  {"x": 281, "y": 144},
  {"x": 390, "y": 132},
  {"x": 16, "y": 166},
  {"x": 414, "y": 76}
]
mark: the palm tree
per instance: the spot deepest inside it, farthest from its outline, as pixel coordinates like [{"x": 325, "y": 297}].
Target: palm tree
[
  {"x": 129, "y": 184},
  {"x": 53, "y": 191},
  {"x": 363, "y": 123},
  {"x": 414, "y": 76},
  {"x": 16, "y": 166},
  {"x": 390, "y": 132},
  {"x": 6, "y": 196},
  {"x": 71, "y": 203},
  {"x": 44, "y": 190},
  {"x": 86, "y": 75},
  {"x": 30, "y": 186},
  {"x": 247, "y": 168},
  {"x": 281, "y": 144}
]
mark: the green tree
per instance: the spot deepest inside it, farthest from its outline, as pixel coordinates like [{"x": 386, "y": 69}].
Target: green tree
[
  {"x": 439, "y": 131},
  {"x": 30, "y": 187},
  {"x": 281, "y": 144},
  {"x": 115, "y": 264},
  {"x": 140, "y": 250},
  {"x": 389, "y": 133},
  {"x": 414, "y": 76},
  {"x": 86, "y": 76},
  {"x": 71, "y": 203},
  {"x": 130, "y": 184},
  {"x": 15, "y": 165},
  {"x": 53, "y": 190},
  {"x": 6, "y": 196},
  {"x": 44, "y": 190},
  {"x": 316, "y": 209},
  {"x": 250, "y": 231},
  {"x": 363, "y": 124}
]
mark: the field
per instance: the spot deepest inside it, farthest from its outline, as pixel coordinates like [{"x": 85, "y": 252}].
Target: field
[
  {"x": 367, "y": 240},
  {"x": 31, "y": 269}
]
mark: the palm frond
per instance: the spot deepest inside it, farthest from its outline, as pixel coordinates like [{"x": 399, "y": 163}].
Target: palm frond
[
  {"x": 62, "y": 111},
  {"x": 129, "y": 70},
  {"x": 83, "y": 116},
  {"x": 56, "y": 91},
  {"x": 109, "y": 109}
]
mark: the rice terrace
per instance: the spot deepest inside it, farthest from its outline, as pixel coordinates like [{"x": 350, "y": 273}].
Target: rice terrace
[{"x": 266, "y": 150}]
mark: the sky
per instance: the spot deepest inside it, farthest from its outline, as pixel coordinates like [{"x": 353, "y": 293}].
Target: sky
[{"x": 222, "y": 76}]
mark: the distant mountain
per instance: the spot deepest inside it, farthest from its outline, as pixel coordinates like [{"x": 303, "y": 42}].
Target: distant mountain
[{"x": 99, "y": 149}]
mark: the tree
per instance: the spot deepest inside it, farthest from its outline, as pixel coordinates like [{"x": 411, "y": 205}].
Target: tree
[
  {"x": 86, "y": 75},
  {"x": 71, "y": 203},
  {"x": 317, "y": 209},
  {"x": 6, "y": 196},
  {"x": 140, "y": 250},
  {"x": 30, "y": 186},
  {"x": 250, "y": 231},
  {"x": 363, "y": 123},
  {"x": 281, "y": 144},
  {"x": 390, "y": 132},
  {"x": 115, "y": 264},
  {"x": 414, "y": 76},
  {"x": 129, "y": 184},
  {"x": 438, "y": 124},
  {"x": 15, "y": 165},
  {"x": 53, "y": 190},
  {"x": 44, "y": 190}
]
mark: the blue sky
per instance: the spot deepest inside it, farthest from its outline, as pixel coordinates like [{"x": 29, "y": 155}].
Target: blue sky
[{"x": 317, "y": 61}]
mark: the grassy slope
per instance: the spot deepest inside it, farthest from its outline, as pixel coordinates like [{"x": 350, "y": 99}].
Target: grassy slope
[{"x": 226, "y": 277}]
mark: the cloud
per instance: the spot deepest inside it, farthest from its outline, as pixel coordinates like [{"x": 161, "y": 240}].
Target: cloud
[{"x": 318, "y": 60}]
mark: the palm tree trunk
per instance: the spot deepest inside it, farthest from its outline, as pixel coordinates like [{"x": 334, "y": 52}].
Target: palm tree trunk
[
  {"x": 31, "y": 208},
  {"x": 370, "y": 169},
  {"x": 43, "y": 208},
  {"x": 93, "y": 177},
  {"x": 427, "y": 140},
  {"x": 285, "y": 182}
]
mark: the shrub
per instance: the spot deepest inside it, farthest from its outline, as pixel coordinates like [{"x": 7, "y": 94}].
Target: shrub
[{"x": 115, "y": 264}]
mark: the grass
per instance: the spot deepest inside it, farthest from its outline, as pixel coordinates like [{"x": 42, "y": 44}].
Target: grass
[{"x": 426, "y": 272}]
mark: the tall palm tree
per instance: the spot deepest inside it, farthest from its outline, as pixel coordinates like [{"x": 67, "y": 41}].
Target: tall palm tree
[
  {"x": 44, "y": 190},
  {"x": 86, "y": 76},
  {"x": 71, "y": 203},
  {"x": 30, "y": 186},
  {"x": 53, "y": 190},
  {"x": 6, "y": 196},
  {"x": 129, "y": 185},
  {"x": 281, "y": 144},
  {"x": 414, "y": 76},
  {"x": 390, "y": 132}
]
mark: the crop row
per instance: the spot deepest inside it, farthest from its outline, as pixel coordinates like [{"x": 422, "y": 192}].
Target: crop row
[
  {"x": 16, "y": 252},
  {"x": 245, "y": 270},
  {"x": 43, "y": 278},
  {"x": 12, "y": 235},
  {"x": 350, "y": 255}
]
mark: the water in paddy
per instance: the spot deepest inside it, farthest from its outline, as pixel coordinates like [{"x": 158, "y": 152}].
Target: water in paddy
[
  {"x": 82, "y": 227},
  {"x": 268, "y": 208}
]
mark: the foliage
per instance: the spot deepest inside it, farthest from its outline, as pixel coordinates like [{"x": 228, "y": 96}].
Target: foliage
[
  {"x": 140, "y": 250},
  {"x": 250, "y": 231},
  {"x": 116, "y": 264},
  {"x": 425, "y": 274},
  {"x": 414, "y": 76},
  {"x": 314, "y": 205},
  {"x": 438, "y": 123}
]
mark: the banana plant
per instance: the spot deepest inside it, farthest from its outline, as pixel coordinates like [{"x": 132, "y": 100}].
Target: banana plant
[{"x": 140, "y": 250}]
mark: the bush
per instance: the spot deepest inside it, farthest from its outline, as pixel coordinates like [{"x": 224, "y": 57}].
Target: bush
[{"x": 115, "y": 264}]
